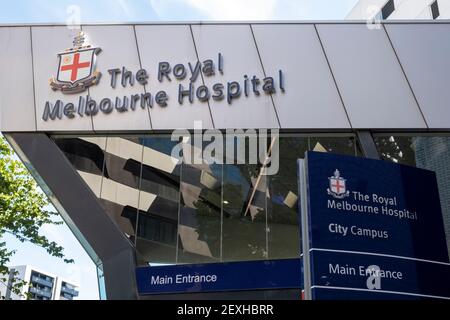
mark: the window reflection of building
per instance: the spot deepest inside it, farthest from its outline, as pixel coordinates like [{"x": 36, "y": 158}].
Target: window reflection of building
[
  {"x": 433, "y": 153},
  {"x": 427, "y": 152},
  {"x": 190, "y": 213}
]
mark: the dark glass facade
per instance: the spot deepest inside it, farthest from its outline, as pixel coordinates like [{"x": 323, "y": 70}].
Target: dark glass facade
[
  {"x": 178, "y": 212},
  {"x": 431, "y": 152}
]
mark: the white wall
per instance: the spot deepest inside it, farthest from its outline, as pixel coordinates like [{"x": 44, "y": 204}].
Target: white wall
[
  {"x": 365, "y": 9},
  {"x": 24, "y": 273},
  {"x": 404, "y": 9}
]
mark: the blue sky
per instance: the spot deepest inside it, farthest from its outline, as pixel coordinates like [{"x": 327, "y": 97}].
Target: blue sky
[
  {"x": 72, "y": 11},
  {"x": 171, "y": 10}
]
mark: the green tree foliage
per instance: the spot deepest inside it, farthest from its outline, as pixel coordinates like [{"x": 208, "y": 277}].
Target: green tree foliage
[{"x": 23, "y": 211}]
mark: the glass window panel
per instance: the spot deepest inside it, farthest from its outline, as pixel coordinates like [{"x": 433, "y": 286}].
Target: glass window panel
[
  {"x": 191, "y": 213},
  {"x": 283, "y": 224},
  {"x": 158, "y": 202},
  {"x": 119, "y": 193},
  {"x": 427, "y": 152},
  {"x": 87, "y": 156},
  {"x": 339, "y": 145},
  {"x": 199, "y": 229},
  {"x": 111, "y": 168},
  {"x": 244, "y": 213},
  {"x": 435, "y": 10},
  {"x": 388, "y": 8}
]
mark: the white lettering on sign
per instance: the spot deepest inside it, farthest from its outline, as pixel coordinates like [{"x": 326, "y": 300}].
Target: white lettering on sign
[
  {"x": 161, "y": 280},
  {"x": 195, "y": 278},
  {"x": 180, "y": 278},
  {"x": 363, "y": 271},
  {"x": 374, "y": 209},
  {"x": 246, "y": 86},
  {"x": 357, "y": 231}
]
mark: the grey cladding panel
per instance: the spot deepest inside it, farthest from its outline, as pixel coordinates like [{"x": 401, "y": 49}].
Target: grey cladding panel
[
  {"x": 311, "y": 99},
  {"x": 172, "y": 44},
  {"x": 240, "y": 57},
  {"x": 16, "y": 80},
  {"x": 424, "y": 51},
  {"x": 377, "y": 91},
  {"x": 373, "y": 87},
  {"x": 119, "y": 50}
]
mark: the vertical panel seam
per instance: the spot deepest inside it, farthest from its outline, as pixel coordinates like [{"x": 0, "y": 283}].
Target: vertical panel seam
[
  {"x": 140, "y": 66},
  {"x": 333, "y": 77},
  {"x": 264, "y": 72},
  {"x": 32, "y": 72},
  {"x": 266, "y": 191},
  {"x": 89, "y": 96},
  {"x": 179, "y": 211},
  {"x": 138, "y": 210},
  {"x": 404, "y": 74},
  {"x": 201, "y": 74},
  {"x": 221, "y": 214},
  {"x": 103, "y": 167}
]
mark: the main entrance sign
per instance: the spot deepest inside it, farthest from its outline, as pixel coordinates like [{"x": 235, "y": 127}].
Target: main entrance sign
[
  {"x": 76, "y": 72},
  {"x": 371, "y": 230},
  {"x": 227, "y": 276}
]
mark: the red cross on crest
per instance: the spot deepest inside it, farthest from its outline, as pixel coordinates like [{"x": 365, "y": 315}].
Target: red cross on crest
[
  {"x": 76, "y": 68},
  {"x": 337, "y": 187},
  {"x": 73, "y": 65}
]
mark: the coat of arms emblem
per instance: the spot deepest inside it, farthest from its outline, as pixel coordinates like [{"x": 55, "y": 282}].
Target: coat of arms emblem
[
  {"x": 76, "y": 69},
  {"x": 337, "y": 187}
]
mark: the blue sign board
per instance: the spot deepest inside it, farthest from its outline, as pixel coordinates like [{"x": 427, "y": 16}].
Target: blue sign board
[
  {"x": 228, "y": 276},
  {"x": 374, "y": 230}
]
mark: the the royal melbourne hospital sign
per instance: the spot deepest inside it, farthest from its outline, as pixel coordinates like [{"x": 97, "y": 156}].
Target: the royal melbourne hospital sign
[{"x": 77, "y": 71}]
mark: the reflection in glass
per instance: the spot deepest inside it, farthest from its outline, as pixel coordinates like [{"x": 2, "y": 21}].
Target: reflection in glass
[
  {"x": 87, "y": 156},
  {"x": 427, "y": 152},
  {"x": 283, "y": 205},
  {"x": 197, "y": 213},
  {"x": 200, "y": 213},
  {"x": 119, "y": 191},
  {"x": 244, "y": 213},
  {"x": 158, "y": 202}
]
